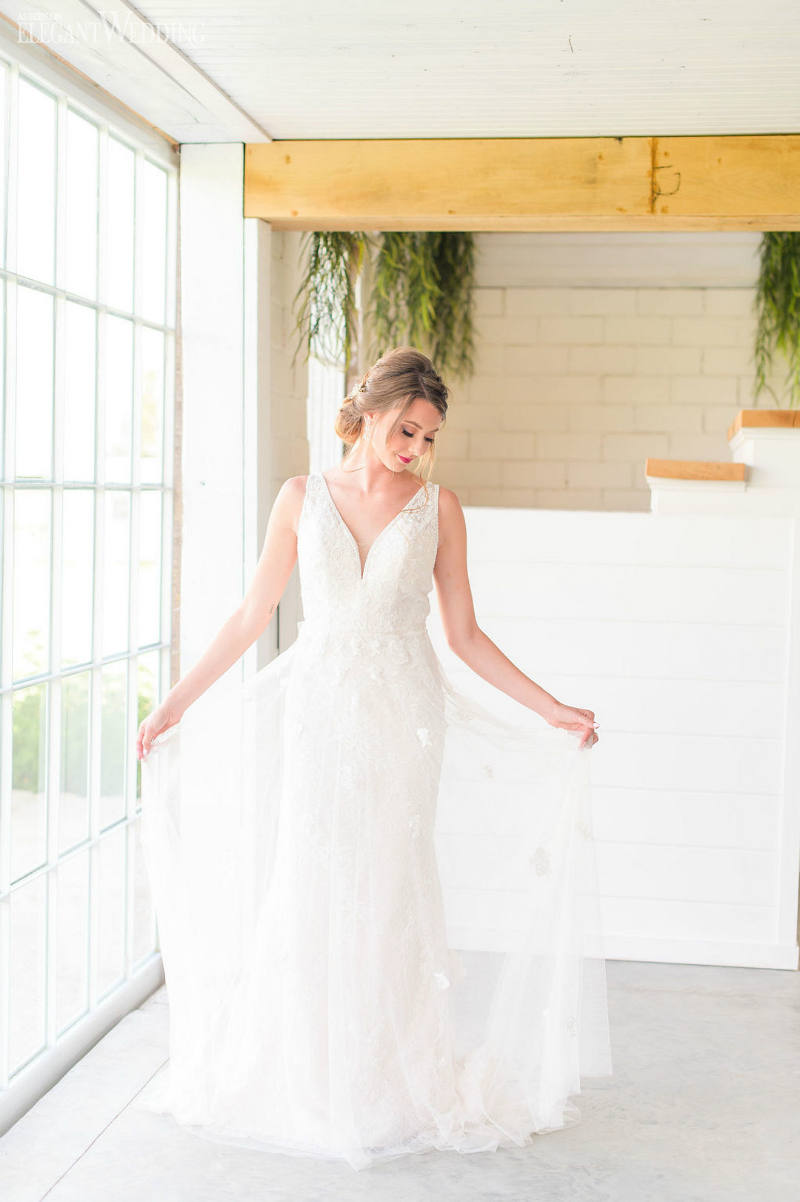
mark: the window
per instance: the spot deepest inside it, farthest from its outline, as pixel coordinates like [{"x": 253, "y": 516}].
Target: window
[{"x": 87, "y": 351}]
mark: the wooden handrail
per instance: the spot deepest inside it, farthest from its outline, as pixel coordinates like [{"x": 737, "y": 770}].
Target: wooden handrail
[
  {"x": 709, "y": 469},
  {"x": 695, "y": 469},
  {"x": 761, "y": 418}
]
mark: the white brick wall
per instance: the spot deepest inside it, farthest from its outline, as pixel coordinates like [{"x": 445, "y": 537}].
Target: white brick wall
[{"x": 574, "y": 387}]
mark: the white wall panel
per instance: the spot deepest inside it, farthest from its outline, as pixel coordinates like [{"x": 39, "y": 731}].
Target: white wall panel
[{"x": 678, "y": 629}]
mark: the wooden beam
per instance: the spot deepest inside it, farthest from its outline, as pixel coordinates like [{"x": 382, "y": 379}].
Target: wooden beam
[
  {"x": 749, "y": 177},
  {"x": 748, "y": 182}
]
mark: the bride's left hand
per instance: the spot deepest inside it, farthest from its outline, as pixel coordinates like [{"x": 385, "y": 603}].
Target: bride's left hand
[{"x": 568, "y": 717}]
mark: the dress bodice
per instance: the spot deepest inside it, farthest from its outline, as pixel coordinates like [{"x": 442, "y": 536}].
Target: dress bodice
[{"x": 392, "y": 594}]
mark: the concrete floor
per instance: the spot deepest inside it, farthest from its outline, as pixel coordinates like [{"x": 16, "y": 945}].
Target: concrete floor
[{"x": 704, "y": 1105}]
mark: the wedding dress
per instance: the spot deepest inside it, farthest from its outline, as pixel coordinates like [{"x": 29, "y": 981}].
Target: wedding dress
[{"x": 376, "y": 898}]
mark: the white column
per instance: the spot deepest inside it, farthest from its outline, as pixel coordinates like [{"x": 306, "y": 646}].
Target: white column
[{"x": 218, "y": 476}]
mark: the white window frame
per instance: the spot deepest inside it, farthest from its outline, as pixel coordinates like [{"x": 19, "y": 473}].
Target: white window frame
[{"x": 60, "y": 1051}]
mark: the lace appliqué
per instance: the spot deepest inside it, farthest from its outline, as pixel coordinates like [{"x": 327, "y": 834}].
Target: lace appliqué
[{"x": 541, "y": 861}]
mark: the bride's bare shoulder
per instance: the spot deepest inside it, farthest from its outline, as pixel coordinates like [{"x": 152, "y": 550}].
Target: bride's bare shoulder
[
  {"x": 289, "y": 499},
  {"x": 295, "y": 484},
  {"x": 449, "y": 504}
]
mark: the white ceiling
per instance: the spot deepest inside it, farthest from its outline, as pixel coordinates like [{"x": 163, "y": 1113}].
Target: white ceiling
[{"x": 253, "y": 71}]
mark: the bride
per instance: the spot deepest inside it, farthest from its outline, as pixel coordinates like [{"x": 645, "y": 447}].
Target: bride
[{"x": 376, "y": 898}]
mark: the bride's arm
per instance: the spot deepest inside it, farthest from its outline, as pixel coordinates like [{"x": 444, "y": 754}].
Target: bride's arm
[
  {"x": 250, "y": 618},
  {"x": 470, "y": 643}
]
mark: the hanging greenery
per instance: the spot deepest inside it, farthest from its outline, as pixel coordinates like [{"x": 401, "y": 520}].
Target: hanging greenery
[
  {"x": 422, "y": 295},
  {"x": 778, "y": 304},
  {"x": 325, "y": 302},
  {"x": 417, "y": 291}
]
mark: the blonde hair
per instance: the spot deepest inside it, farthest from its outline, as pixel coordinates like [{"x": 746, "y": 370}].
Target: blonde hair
[{"x": 396, "y": 380}]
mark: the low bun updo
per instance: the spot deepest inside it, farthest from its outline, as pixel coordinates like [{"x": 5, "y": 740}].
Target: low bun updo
[
  {"x": 349, "y": 423},
  {"x": 394, "y": 381}
]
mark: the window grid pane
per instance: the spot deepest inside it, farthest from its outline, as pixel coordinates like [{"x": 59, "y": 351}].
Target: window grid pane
[{"x": 87, "y": 330}]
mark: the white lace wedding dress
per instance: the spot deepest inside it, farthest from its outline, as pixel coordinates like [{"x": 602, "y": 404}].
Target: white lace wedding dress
[{"x": 376, "y": 899}]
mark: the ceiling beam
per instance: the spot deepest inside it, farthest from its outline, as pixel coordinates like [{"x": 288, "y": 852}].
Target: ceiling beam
[
  {"x": 133, "y": 60},
  {"x": 725, "y": 182}
]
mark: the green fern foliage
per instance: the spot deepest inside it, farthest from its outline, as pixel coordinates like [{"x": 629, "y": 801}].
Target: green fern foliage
[
  {"x": 420, "y": 294},
  {"x": 325, "y": 302},
  {"x": 778, "y": 308}
]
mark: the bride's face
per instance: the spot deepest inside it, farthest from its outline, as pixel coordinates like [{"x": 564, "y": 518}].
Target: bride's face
[{"x": 415, "y": 434}]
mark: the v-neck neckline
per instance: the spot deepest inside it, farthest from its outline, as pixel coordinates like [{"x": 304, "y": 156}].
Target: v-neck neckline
[{"x": 379, "y": 535}]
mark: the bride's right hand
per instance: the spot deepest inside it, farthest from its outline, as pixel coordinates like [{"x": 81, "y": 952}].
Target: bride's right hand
[
  {"x": 568, "y": 717},
  {"x": 162, "y": 718}
]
